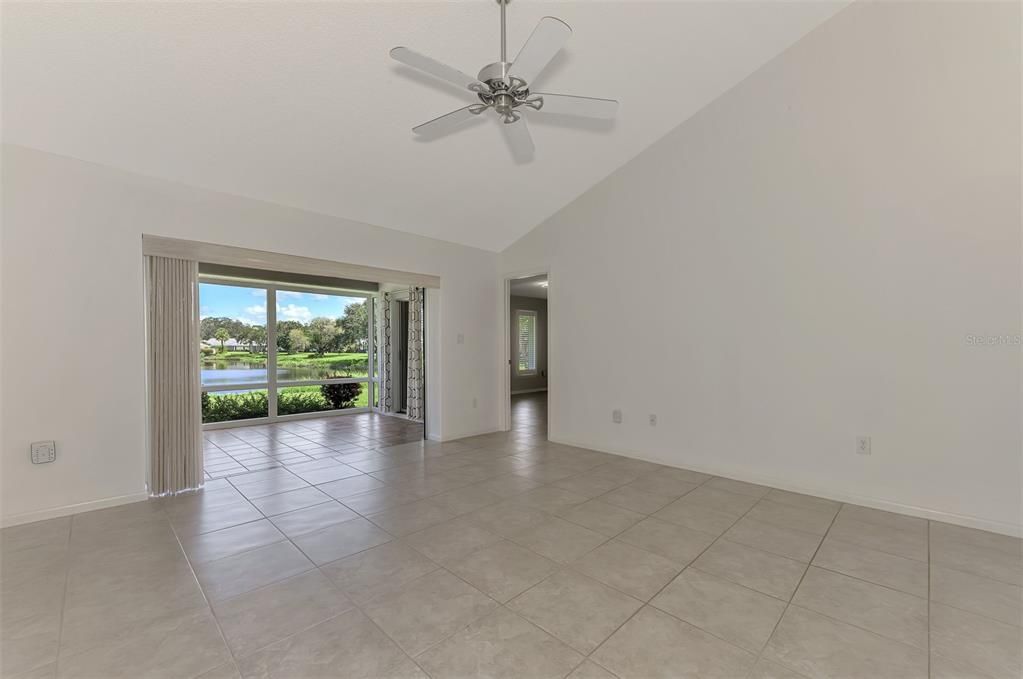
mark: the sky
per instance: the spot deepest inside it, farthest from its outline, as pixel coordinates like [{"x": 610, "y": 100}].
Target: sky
[{"x": 248, "y": 305}]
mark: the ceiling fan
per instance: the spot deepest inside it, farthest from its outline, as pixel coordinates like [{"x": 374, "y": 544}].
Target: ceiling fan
[{"x": 504, "y": 86}]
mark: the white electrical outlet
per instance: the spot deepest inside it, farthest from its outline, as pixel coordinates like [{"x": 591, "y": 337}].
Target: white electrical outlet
[
  {"x": 43, "y": 452},
  {"x": 474, "y": 402},
  {"x": 616, "y": 416},
  {"x": 653, "y": 420},
  {"x": 863, "y": 445}
]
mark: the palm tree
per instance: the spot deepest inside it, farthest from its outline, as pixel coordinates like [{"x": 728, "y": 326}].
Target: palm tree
[{"x": 222, "y": 335}]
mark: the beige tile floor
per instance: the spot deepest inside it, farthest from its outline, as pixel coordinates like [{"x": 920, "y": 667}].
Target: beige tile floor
[
  {"x": 502, "y": 555},
  {"x": 229, "y": 452}
]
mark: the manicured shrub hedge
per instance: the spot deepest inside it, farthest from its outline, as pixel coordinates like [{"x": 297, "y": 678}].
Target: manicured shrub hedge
[
  {"x": 218, "y": 407},
  {"x": 226, "y": 407},
  {"x": 292, "y": 402}
]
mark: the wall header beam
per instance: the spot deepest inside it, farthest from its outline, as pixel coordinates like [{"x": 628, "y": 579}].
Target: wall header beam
[
  {"x": 286, "y": 277},
  {"x": 227, "y": 255}
]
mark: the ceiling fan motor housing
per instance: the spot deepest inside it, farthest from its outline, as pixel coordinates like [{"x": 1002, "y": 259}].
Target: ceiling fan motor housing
[{"x": 506, "y": 92}]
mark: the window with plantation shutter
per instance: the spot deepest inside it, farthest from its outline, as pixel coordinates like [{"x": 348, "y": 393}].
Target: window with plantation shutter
[{"x": 526, "y": 322}]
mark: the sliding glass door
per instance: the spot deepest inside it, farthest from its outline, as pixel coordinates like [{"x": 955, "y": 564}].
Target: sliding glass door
[{"x": 271, "y": 351}]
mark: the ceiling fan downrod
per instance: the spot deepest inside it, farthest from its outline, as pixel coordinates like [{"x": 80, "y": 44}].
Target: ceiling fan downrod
[
  {"x": 504, "y": 34},
  {"x": 506, "y": 92}
]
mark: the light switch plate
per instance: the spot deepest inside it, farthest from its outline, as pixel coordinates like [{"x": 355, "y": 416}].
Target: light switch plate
[{"x": 43, "y": 452}]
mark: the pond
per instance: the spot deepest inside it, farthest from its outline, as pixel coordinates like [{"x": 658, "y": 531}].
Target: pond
[{"x": 238, "y": 372}]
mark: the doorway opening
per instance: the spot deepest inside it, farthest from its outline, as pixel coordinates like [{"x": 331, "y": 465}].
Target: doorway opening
[{"x": 528, "y": 354}]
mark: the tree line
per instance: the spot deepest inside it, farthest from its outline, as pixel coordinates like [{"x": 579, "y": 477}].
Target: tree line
[{"x": 321, "y": 335}]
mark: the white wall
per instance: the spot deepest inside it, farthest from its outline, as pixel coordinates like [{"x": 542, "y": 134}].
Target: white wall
[
  {"x": 802, "y": 262},
  {"x": 73, "y": 316}
]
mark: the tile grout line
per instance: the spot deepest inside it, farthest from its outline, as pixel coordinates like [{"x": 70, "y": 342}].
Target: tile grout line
[
  {"x": 928, "y": 598},
  {"x": 589, "y": 656},
  {"x": 202, "y": 591},
  {"x": 874, "y": 549},
  {"x": 63, "y": 598},
  {"x": 796, "y": 589},
  {"x": 867, "y": 582}
]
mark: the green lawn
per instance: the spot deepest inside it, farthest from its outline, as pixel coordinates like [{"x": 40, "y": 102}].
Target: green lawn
[
  {"x": 305, "y": 365},
  {"x": 298, "y": 359},
  {"x": 361, "y": 402},
  {"x": 316, "y": 359}
]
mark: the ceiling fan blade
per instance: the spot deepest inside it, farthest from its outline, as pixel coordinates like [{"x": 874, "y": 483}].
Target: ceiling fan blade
[
  {"x": 520, "y": 142},
  {"x": 569, "y": 105},
  {"x": 547, "y": 39},
  {"x": 435, "y": 68},
  {"x": 447, "y": 123}
]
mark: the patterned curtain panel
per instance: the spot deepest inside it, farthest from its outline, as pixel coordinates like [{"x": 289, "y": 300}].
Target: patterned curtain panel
[
  {"x": 416, "y": 377},
  {"x": 385, "y": 354},
  {"x": 172, "y": 353}
]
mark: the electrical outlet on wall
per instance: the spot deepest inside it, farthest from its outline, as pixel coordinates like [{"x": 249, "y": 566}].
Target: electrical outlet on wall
[
  {"x": 863, "y": 445},
  {"x": 616, "y": 416}
]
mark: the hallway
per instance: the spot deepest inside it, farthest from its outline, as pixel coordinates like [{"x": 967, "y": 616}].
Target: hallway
[{"x": 529, "y": 414}]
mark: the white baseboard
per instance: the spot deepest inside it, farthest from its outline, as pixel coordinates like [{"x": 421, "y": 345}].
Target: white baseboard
[
  {"x": 528, "y": 391},
  {"x": 1011, "y": 529},
  {"x": 465, "y": 435},
  {"x": 68, "y": 510}
]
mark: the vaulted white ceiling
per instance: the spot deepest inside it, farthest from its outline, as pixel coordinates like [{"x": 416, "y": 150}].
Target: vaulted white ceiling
[{"x": 299, "y": 104}]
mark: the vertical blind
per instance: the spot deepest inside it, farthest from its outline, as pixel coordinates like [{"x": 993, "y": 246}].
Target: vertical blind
[
  {"x": 172, "y": 335},
  {"x": 527, "y": 341}
]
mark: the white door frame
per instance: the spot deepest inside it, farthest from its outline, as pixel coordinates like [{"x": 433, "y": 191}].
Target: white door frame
[{"x": 506, "y": 365}]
